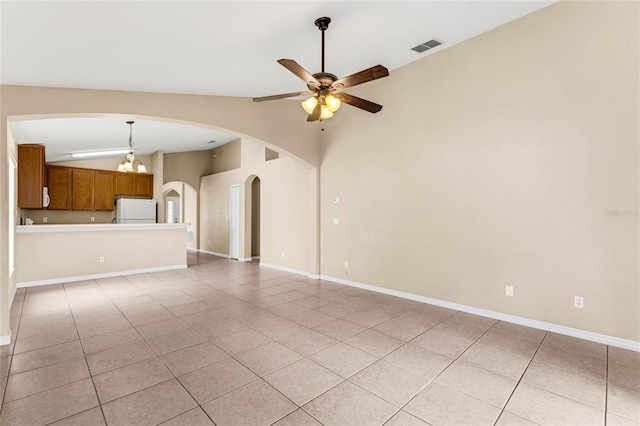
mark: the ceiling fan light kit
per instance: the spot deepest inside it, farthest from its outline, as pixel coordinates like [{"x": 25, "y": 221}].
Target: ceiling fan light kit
[{"x": 324, "y": 87}]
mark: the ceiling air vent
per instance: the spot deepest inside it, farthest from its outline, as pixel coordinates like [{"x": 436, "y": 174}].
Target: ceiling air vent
[{"x": 427, "y": 45}]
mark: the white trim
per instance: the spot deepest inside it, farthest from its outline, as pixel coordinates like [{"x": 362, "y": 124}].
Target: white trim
[
  {"x": 97, "y": 276},
  {"x": 255, "y": 257},
  {"x": 13, "y": 296},
  {"x": 313, "y": 276},
  {"x": 226, "y": 256},
  {"x": 245, "y": 259},
  {"x": 98, "y": 227},
  {"x": 6, "y": 339},
  {"x": 286, "y": 269},
  {"x": 560, "y": 329}
]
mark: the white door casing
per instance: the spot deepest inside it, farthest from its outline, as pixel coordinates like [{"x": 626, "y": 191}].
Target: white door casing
[{"x": 234, "y": 222}]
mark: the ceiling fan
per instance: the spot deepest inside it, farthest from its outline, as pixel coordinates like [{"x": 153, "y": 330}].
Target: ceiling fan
[{"x": 326, "y": 87}]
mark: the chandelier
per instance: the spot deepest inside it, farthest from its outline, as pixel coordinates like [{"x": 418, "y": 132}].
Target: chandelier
[{"x": 131, "y": 164}]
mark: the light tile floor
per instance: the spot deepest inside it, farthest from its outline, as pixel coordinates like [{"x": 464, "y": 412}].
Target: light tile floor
[{"x": 231, "y": 343}]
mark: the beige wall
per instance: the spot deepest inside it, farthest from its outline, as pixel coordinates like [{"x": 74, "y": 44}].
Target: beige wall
[
  {"x": 39, "y": 255},
  {"x": 284, "y": 209},
  {"x": 187, "y": 167},
  {"x": 103, "y": 163},
  {"x": 226, "y": 157},
  {"x": 494, "y": 163},
  {"x": 67, "y": 216}
]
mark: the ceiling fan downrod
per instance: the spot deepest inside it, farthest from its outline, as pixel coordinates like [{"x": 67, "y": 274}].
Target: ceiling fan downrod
[{"x": 323, "y": 24}]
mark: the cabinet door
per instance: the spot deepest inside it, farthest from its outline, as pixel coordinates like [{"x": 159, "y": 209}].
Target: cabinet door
[
  {"x": 59, "y": 182},
  {"x": 103, "y": 190},
  {"x": 143, "y": 185},
  {"x": 82, "y": 182},
  {"x": 31, "y": 176},
  {"x": 124, "y": 183}
]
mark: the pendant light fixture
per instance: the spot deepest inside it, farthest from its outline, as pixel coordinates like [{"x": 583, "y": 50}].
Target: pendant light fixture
[{"x": 131, "y": 164}]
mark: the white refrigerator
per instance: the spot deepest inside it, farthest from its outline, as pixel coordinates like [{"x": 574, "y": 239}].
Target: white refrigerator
[{"x": 135, "y": 210}]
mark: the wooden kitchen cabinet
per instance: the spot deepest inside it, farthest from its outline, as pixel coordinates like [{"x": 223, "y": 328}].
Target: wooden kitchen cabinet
[
  {"x": 143, "y": 185},
  {"x": 103, "y": 190},
  {"x": 124, "y": 183},
  {"x": 134, "y": 184},
  {"x": 31, "y": 176},
  {"x": 59, "y": 183},
  {"x": 82, "y": 189}
]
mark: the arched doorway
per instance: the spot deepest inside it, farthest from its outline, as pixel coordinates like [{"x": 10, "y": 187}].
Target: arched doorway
[{"x": 181, "y": 206}]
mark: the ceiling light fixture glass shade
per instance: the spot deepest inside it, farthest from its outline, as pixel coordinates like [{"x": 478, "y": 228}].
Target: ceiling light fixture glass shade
[
  {"x": 131, "y": 164},
  {"x": 310, "y": 104},
  {"x": 330, "y": 104}
]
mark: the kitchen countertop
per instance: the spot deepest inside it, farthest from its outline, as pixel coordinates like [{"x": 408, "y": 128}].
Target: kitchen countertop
[{"x": 98, "y": 227}]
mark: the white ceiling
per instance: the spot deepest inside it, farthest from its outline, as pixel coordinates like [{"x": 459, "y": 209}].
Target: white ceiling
[
  {"x": 65, "y": 135},
  {"x": 226, "y": 48}
]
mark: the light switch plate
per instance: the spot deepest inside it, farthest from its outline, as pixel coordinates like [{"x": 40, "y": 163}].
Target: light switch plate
[{"x": 336, "y": 221}]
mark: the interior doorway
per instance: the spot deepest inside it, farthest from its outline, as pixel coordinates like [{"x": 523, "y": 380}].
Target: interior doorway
[
  {"x": 255, "y": 219},
  {"x": 172, "y": 207}
]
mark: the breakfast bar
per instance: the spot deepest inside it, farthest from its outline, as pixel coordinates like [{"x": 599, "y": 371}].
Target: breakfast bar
[{"x": 49, "y": 254}]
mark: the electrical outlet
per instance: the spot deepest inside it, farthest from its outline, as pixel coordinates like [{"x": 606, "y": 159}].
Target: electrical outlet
[
  {"x": 282, "y": 255},
  {"x": 336, "y": 221},
  {"x": 101, "y": 259},
  {"x": 346, "y": 264},
  {"x": 209, "y": 242},
  {"x": 44, "y": 219},
  {"x": 93, "y": 219},
  {"x": 578, "y": 302},
  {"x": 509, "y": 290},
  {"x": 336, "y": 200}
]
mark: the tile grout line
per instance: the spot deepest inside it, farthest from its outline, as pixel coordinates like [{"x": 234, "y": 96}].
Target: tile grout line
[
  {"x": 445, "y": 368},
  {"x": 95, "y": 390},
  {"x": 24, "y": 298},
  {"x": 521, "y": 377}
]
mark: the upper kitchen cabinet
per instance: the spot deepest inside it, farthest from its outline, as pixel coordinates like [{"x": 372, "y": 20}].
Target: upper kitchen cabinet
[
  {"x": 59, "y": 183},
  {"x": 134, "y": 184},
  {"x": 124, "y": 183},
  {"x": 143, "y": 185},
  {"x": 31, "y": 176},
  {"x": 103, "y": 190},
  {"x": 82, "y": 189}
]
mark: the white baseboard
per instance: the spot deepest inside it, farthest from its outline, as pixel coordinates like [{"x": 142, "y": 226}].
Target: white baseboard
[
  {"x": 5, "y": 340},
  {"x": 245, "y": 259},
  {"x": 215, "y": 253},
  {"x": 541, "y": 325},
  {"x": 96, "y": 276},
  {"x": 286, "y": 269},
  {"x": 255, "y": 257}
]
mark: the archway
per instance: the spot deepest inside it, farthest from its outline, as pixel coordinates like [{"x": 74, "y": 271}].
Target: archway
[{"x": 187, "y": 198}]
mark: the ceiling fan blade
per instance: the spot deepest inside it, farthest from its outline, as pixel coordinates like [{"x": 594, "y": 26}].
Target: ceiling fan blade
[
  {"x": 363, "y": 76},
  {"x": 297, "y": 69},
  {"x": 284, "y": 95},
  {"x": 315, "y": 115},
  {"x": 358, "y": 102}
]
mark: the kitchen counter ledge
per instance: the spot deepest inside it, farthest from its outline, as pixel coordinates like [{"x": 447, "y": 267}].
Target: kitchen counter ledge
[{"x": 97, "y": 227}]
